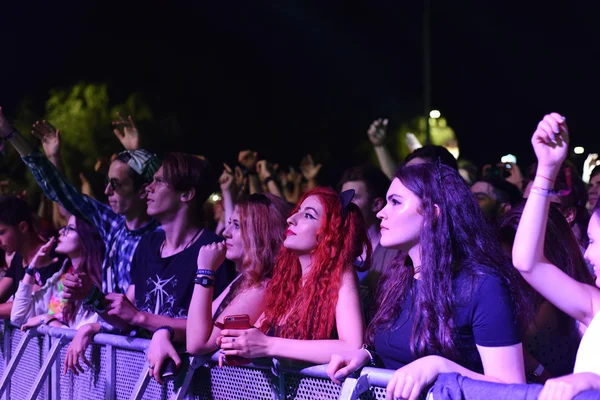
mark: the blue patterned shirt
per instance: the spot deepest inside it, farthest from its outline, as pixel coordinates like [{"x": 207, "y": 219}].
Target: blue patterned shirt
[{"x": 120, "y": 242}]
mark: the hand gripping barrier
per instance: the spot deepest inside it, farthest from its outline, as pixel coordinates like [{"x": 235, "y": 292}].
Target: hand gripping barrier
[{"x": 32, "y": 368}]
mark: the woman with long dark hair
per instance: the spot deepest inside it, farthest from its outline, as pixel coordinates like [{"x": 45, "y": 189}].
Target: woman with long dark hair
[
  {"x": 312, "y": 304},
  {"x": 450, "y": 302},
  {"x": 84, "y": 250}
]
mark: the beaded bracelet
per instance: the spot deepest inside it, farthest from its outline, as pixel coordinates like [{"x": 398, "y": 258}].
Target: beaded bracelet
[{"x": 168, "y": 328}]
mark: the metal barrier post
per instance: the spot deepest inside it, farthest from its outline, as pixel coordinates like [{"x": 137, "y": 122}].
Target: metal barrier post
[
  {"x": 14, "y": 361},
  {"x": 111, "y": 373},
  {"x": 354, "y": 387},
  {"x": 54, "y": 388},
  {"x": 46, "y": 366},
  {"x": 195, "y": 363},
  {"x": 7, "y": 351},
  {"x": 142, "y": 383}
]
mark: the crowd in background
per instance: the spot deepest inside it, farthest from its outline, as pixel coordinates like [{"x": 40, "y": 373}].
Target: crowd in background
[{"x": 426, "y": 266}]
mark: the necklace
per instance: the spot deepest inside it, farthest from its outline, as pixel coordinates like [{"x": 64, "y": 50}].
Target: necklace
[{"x": 162, "y": 246}]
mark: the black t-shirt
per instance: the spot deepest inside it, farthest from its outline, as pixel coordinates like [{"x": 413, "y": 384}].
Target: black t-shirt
[
  {"x": 16, "y": 271},
  {"x": 486, "y": 316},
  {"x": 164, "y": 286}
]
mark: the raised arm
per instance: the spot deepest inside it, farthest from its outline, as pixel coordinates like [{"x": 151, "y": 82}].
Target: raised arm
[
  {"x": 55, "y": 186},
  {"x": 377, "y": 133},
  {"x": 226, "y": 183},
  {"x": 266, "y": 177},
  {"x": 550, "y": 142}
]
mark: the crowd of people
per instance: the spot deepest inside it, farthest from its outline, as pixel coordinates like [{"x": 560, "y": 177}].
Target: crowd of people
[{"x": 425, "y": 268}]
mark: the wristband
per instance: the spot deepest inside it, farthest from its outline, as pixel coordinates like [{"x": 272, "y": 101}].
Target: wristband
[
  {"x": 543, "y": 177},
  {"x": 204, "y": 281},
  {"x": 10, "y": 135},
  {"x": 167, "y": 328},
  {"x": 268, "y": 179},
  {"x": 50, "y": 320},
  {"x": 371, "y": 355},
  {"x": 95, "y": 300},
  {"x": 207, "y": 272},
  {"x": 30, "y": 271}
]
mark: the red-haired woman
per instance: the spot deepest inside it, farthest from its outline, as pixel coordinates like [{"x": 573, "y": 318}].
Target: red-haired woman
[
  {"x": 312, "y": 305},
  {"x": 253, "y": 237}
]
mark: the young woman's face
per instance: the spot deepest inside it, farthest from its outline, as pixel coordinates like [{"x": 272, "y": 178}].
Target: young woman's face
[
  {"x": 233, "y": 238},
  {"x": 592, "y": 253},
  {"x": 69, "y": 241},
  {"x": 401, "y": 219},
  {"x": 301, "y": 236}
]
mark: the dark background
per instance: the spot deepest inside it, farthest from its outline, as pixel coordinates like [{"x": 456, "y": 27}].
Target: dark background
[{"x": 291, "y": 77}]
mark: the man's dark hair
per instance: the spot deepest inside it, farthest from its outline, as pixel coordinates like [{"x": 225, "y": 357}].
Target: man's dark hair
[
  {"x": 505, "y": 191},
  {"x": 14, "y": 210},
  {"x": 431, "y": 153},
  {"x": 375, "y": 180},
  {"x": 186, "y": 171}
]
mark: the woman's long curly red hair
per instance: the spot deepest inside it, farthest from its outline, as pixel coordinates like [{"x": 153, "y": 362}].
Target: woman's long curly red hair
[{"x": 307, "y": 311}]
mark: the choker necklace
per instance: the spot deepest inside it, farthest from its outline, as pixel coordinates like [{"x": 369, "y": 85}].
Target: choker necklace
[{"x": 162, "y": 246}]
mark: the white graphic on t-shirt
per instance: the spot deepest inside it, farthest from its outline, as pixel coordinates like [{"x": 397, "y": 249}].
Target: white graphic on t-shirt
[{"x": 162, "y": 296}]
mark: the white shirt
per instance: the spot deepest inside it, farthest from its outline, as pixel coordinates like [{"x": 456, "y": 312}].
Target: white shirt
[{"x": 588, "y": 354}]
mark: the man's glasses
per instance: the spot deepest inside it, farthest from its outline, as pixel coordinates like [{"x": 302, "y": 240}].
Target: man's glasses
[{"x": 113, "y": 183}]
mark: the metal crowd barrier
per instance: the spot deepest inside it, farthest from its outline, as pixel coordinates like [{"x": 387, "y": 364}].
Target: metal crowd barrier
[{"x": 32, "y": 368}]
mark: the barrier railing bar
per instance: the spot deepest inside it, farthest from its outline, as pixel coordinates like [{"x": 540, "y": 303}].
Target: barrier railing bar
[
  {"x": 378, "y": 376},
  {"x": 14, "y": 361},
  {"x": 46, "y": 366}
]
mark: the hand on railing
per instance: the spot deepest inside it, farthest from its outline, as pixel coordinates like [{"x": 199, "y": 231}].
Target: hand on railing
[
  {"x": 159, "y": 352},
  {"x": 409, "y": 381},
  {"x": 34, "y": 321},
  {"x": 77, "y": 348},
  {"x": 343, "y": 364}
]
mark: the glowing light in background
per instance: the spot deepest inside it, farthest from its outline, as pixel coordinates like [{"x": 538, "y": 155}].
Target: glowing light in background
[
  {"x": 435, "y": 114},
  {"x": 578, "y": 150}
]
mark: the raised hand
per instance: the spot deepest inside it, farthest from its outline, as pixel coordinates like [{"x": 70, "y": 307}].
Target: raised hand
[
  {"x": 377, "y": 131},
  {"x": 238, "y": 176},
  {"x": 308, "y": 168},
  {"x": 211, "y": 256},
  {"x": 129, "y": 138},
  {"x": 588, "y": 165},
  {"x": 551, "y": 141},
  {"x": 248, "y": 159},
  {"x": 515, "y": 176},
  {"x": 5, "y": 126},
  {"x": 412, "y": 142},
  {"x": 43, "y": 257},
  {"x": 226, "y": 178},
  {"x": 262, "y": 170},
  {"x": 49, "y": 136}
]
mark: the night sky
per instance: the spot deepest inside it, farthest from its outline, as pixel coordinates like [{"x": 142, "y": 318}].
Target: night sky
[{"x": 291, "y": 77}]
